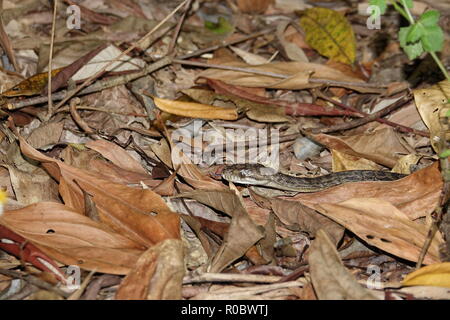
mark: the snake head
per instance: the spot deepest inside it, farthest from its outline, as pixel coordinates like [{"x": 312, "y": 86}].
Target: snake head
[{"x": 254, "y": 174}]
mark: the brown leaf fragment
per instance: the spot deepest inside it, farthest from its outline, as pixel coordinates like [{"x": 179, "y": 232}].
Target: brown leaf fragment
[
  {"x": 331, "y": 280},
  {"x": 116, "y": 155},
  {"x": 157, "y": 275}
]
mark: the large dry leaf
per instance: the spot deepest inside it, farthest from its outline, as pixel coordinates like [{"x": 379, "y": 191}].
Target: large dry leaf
[
  {"x": 157, "y": 275},
  {"x": 125, "y": 209},
  {"x": 382, "y": 225},
  {"x": 430, "y": 102},
  {"x": 297, "y": 73},
  {"x": 331, "y": 280},
  {"x": 242, "y": 234},
  {"x": 382, "y": 146},
  {"x": 116, "y": 155},
  {"x": 73, "y": 239},
  {"x": 195, "y": 110},
  {"x": 415, "y": 195}
]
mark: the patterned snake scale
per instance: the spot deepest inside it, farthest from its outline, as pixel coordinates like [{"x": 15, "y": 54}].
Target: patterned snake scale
[{"x": 255, "y": 174}]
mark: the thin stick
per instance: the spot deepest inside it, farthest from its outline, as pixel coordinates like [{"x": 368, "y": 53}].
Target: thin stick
[
  {"x": 177, "y": 29},
  {"x": 50, "y": 63},
  {"x": 225, "y": 44},
  {"x": 88, "y": 81},
  {"x": 398, "y": 126},
  {"x": 359, "y": 122}
]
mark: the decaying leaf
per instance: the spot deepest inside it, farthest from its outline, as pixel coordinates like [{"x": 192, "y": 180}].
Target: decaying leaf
[
  {"x": 329, "y": 32},
  {"x": 430, "y": 102},
  {"x": 157, "y": 275}
]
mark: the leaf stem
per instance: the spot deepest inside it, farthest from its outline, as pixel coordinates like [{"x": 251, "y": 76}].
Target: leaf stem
[{"x": 440, "y": 65}]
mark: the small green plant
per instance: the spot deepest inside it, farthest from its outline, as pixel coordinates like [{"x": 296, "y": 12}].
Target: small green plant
[{"x": 423, "y": 35}]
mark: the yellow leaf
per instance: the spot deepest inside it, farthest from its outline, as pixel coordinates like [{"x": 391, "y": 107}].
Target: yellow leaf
[
  {"x": 329, "y": 32},
  {"x": 195, "y": 110},
  {"x": 437, "y": 275},
  {"x": 31, "y": 86}
]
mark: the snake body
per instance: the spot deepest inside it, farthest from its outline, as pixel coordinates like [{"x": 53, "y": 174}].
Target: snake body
[{"x": 255, "y": 174}]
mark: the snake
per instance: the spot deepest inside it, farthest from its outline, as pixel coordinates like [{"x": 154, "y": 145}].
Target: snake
[{"x": 259, "y": 175}]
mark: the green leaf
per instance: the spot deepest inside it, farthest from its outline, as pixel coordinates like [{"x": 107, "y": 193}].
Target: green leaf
[
  {"x": 409, "y": 3},
  {"x": 429, "y": 18},
  {"x": 447, "y": 114},
  {"x": 413, "y": 50},
  {"x": 222, "y": 26},
  {"x": 433, "y": 39},
  {"x": 380, "y": 4},
  {"x": 445, "y": 153},
  {"x": 415, "y": 32}
]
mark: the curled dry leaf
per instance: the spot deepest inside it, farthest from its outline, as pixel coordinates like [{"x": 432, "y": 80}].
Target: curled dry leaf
[
  {"x": 432, "y": 275},
  {"x": 73, "y": 239},
  {"x": 331, "y": 280},
  {"x": 195, "y": 110},
  {"x": 157, "y": 275}
]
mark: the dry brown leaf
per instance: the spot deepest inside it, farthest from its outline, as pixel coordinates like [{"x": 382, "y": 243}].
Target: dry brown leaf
[
  {"x": 243, "y": 233},
  {"x": 382, "y": 225},
  {"x": 382, "y": 146},
  {"x": 430, "y": 102},
  {"x": 298, "y": 216},
  {"x": 298, "y": 73},
  {"x": 47, "y": 134},
  {"x": 32, "y": 187},
  {"x": 195, "y": 110},
  {"x": 331, "y": 280},
  {"x": 157, "y": 275},
  {"x": 116, "y": 155},
  {"x": 73, "y": 239},
  {"x": 343, "y": 161}
]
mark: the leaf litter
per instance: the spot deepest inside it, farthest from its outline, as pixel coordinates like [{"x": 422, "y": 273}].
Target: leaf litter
[{"x": 127, "y": 180}]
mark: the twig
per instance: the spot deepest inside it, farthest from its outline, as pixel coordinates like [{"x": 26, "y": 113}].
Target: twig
[
  {"x": 88, "y": 81},
  {"x": 225, "y": 44},
  {"x": 398, "y": 126},
  {"x": 50, "y": 63},
  {"x": 177, "y": 29},
  {"x": 368, "y": 118},
  {"x": 97, "y": 86}
]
